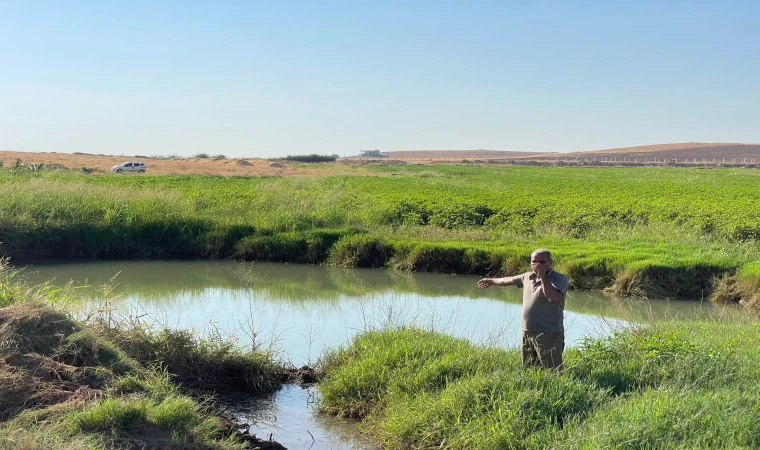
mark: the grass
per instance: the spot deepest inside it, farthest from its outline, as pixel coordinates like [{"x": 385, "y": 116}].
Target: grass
[
  {"x": 68, "y": 384},
  {"x": 644, "y": 231},
  {"x": 110, "y": 414},
  {"x": 666, "y": 385},
  {"x": 209, "y": 364},
  {"x": 671, "y": 418}
]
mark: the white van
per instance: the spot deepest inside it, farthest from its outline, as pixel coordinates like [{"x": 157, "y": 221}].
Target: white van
[{"x": 138, "y": 167}]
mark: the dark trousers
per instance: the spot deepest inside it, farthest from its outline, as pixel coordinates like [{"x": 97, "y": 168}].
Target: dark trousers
[{"x": 543, "y": 349}]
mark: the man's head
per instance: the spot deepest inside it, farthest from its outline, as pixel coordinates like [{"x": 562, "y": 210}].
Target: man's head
[{"x": 541, "y": 256}]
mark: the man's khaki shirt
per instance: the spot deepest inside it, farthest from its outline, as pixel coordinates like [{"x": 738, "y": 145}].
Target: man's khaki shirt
[{"x": 539, "y": 314}]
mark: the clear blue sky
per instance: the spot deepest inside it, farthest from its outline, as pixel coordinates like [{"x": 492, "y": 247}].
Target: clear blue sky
[{"x": 255, "y": 78}]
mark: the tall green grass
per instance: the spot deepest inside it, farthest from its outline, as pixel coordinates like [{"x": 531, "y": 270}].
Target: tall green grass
[{"x": 668, "y": 385}]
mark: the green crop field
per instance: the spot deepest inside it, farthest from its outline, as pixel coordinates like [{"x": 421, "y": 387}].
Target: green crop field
[{"x": 636, "y": 231}]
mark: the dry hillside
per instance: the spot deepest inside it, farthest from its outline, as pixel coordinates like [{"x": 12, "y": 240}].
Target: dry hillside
[
  {"x": 672, "y": 151},
  {"x": 697, "y": 150},
  {"x": 668, "y": 151},
  {"x": 470, "y": 154}
]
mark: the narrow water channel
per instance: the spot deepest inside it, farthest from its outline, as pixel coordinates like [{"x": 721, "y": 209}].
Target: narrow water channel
[{"x": 299, "y": 311}]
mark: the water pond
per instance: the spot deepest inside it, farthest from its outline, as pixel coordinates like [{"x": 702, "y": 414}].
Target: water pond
[{"x": 299, "y": 311}]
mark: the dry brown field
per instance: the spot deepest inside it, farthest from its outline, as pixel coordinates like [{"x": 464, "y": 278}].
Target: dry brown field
[
  {"x": 710, "y": 152},
  {"x": 157, "y": 166}
]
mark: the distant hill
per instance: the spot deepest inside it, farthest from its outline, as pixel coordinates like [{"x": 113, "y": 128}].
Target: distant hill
[
  {"x": 471, "y": 154},
  {"x": 679, "y": 150},
  {"x": 682, "y": 150}
]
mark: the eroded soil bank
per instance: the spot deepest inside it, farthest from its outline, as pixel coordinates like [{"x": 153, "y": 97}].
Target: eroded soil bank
[{"x": 68, "y": 385}]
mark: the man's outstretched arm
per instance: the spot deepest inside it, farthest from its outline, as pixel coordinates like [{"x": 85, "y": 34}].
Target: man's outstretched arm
[{"x": 505, "y": 281}]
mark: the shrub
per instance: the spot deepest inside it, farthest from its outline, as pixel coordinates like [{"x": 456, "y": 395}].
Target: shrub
[{"x": 359, "y": 250}]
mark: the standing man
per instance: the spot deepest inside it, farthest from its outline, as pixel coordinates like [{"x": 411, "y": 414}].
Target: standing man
[{"x": 543, "y": 337}]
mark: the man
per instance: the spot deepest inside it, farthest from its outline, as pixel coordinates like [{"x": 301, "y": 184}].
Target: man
[{"x": 543, "y": 337}]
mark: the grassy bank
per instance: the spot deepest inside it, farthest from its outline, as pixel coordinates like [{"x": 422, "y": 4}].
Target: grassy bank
[
  {"x": 669, "y": 385},
  {"x": 66, "y": 384},
  {"x": 643, "y": 231}
]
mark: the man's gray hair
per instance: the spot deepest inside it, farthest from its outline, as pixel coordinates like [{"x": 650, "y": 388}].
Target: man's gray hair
[{"x": 543, "y": 251}]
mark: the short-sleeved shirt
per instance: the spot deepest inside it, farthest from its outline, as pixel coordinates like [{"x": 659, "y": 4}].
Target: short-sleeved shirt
[{"x": 539, "y": 314}]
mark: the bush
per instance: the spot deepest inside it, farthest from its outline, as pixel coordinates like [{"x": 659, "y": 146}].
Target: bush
[{"x": 359, "y": 250}]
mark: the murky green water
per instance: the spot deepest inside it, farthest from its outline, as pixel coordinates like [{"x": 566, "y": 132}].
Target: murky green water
[{"x": 301, "y": 310}]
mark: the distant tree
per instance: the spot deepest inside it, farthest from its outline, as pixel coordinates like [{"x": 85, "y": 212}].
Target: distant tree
[{"x": 311, "y": 158}]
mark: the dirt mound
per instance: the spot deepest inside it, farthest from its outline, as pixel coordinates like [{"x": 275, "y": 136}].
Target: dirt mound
[
  {"x": 242, "y": 162},
  {"x": 33, "y": 329},
  {"x": 50, "y": 362},
  {"x": 303, "y": 376},
  {"x": 34, "y": 342},
  {"x": 33, "y": 381},
  {"x": 56, "y": 166},
  {"x": 276, "y": 164}
]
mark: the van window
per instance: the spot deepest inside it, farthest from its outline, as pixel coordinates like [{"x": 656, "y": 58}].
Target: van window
[{"x": 128, "y": 165}]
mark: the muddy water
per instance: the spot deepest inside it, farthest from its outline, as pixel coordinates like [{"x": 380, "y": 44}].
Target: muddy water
[{"x": 301, "y": 310}]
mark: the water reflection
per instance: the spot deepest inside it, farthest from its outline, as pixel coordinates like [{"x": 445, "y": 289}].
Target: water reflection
[{"x": 290, "y": 417}]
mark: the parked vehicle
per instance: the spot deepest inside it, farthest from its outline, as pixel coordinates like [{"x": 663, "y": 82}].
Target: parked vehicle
[{"x": 138, "y": 167}]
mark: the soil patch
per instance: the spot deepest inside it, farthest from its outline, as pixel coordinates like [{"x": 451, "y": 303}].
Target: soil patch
[
  {"x": 302, "y": 376},
  {"x": 33, "y": 329},
  {"x": 33, "y": 381}
]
